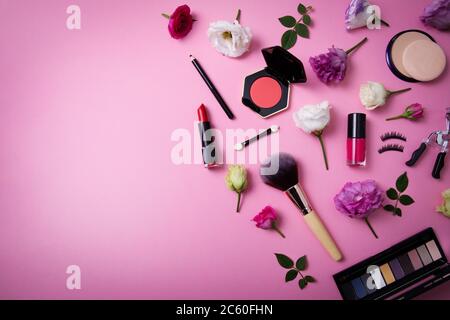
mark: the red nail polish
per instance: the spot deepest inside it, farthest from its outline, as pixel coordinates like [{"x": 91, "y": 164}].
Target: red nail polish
[{"x": 356, "y": 139}]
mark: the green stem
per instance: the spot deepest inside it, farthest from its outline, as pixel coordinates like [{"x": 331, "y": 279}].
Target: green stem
[
  {"x": 396, "y": 117},
  {"x": 323, "y": 151},
  {"x": 356, "y": 46},
  {"x": 238, "y": 207},
  {"x": 238, "y": 16},
  {"x": 370, "y": 227},
  {"x": 384, "y": 23},
  {"x": 390, "y": 93},
  {"x": 165, "y": 15},
  {"x": 274, "y": 227}
]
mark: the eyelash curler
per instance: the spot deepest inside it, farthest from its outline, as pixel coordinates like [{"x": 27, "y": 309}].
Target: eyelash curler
[{"x": 439, "y": 138}]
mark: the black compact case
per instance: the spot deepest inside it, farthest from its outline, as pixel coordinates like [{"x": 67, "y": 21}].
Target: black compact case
[
  {"x": 283, "y": 67},
  {"x": 408, "y": 269}
]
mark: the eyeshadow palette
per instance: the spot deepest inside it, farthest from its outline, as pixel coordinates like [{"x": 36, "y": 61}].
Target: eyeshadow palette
[
  {"x": 267, "y": 91},
  {"x": 403, "y": 271}
]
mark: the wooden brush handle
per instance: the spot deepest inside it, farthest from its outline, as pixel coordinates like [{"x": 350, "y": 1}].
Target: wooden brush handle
[{"x": 321, "y": 233}]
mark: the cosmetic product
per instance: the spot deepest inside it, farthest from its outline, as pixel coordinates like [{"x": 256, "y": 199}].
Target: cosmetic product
[
  {"x": 393, "y": 135},
  {"x": 438, "y": 138},
  {"x": 267, "y": 91},
  {"x": 208, "y": 147},
  {"x": 403, "y": 271},
  {"x": 391, "y": 147},
  {"x": 356, "y": 139},
  {"x": 280, "y": 171},
  {"x": 211, "y": 87},
  {"x": 242, "y": 145},
  {"x": 414, "y": 56}
]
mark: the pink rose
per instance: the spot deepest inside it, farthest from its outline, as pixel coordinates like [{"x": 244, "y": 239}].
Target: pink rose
[
  {"x": 180, "y": 22},
  {"x": 266, "y": 220}
]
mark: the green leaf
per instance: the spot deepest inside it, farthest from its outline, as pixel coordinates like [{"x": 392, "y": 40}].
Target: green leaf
[
  {"x": 301, "y": 9},
  {"x": 288, "y": 21},
  {"x": 307, "y": 20},
  {"x": 301, "y": 263},
  {"x": 310, "y": 279},
  {"x": 302, "y": 283},
  {"x": 291, "y": 275},
  {"x": 402, "y": 183},
  {"x": 284, "y": 261},
  {"x": 389, "y": 207},
  {"x": 392, "y": 194},
  {"x": 406, "y": 200},
  {"x": 288, "y": 39},
  {"x": 398, "y": 212},
  {"x": 302, "y": 30}
]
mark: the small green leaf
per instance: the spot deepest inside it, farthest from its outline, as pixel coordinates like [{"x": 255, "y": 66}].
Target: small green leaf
[
  {"x": 287, "y": 21},
  {"x": 284, "y": 261},
  {"x": 302, "y": 283},
  {"x": 288, "y": 39},
  {"x": 301, "y": 9},
  {"x": 406, "y": 200},
  {"x": 402, "y": 183},
  {"x": 310, "y": 279},
  {"x": 392, "y": 194},
  {"x": 291, "y": 275},
  {"x": 389, "y": 207},
  {"x": 307, "y": 20},
  {"x": 398, "y": 212},
  {"x": 302, "y": 30},
  {"x": 301, "y": 263}
]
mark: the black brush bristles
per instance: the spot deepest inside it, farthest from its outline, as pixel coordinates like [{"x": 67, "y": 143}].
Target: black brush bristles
[
  {"x": 392, "y": 135},
  {"x": 391, "y": 147},
  {"x": 285, "y": 177}
]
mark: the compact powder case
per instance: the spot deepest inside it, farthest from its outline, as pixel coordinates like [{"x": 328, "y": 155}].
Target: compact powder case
[
  {"x": 267, "y": 91},
  {"x": 414, "y": 56}
]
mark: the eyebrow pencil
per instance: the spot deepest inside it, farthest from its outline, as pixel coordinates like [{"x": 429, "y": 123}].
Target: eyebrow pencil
[{"x": 211, "y": 87}]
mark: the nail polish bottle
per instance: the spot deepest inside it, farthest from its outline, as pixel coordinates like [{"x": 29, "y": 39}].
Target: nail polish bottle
[{"x": 356, "y": 139}]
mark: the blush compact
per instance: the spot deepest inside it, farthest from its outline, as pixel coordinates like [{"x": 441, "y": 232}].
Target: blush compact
[
  {"x": 267, "y": 91},
  {"x": 414, "y": 56}
]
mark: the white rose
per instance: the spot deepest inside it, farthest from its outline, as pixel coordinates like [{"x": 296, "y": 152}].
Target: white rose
[
  {"x": 313, "y": 118},
  {"x": 373, "y": 95},
  {"x": 230, "y": 39}
]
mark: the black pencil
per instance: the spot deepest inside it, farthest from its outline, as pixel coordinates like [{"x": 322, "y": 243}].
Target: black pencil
[{"x": 211, "y": 87}]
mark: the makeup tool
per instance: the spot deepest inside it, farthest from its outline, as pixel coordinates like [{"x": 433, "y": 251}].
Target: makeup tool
[
  {"x": 403, "y": 271},
  {"x": 267, "y": 132},
  {"x": 267, "y": 91},
  {"x": 391, "y": 147},
  {"x": 356, "y": 139},
  {"x": 393, "y": 135},
  {"x": 437, "y": 138},
  {"x": 280, "y": 171},
  {"x": 414, "y": 56},
  {"x": 211, "y": 87},
  {"x": 208, "y": 147}
]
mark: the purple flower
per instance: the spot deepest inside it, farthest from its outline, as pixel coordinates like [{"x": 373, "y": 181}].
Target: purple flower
[
  {"x": 437, "y": 14},
  {"x": 331, "y": 66},
  {"x": 359, "y": 199},
  {"x": 355, "y": 15}
]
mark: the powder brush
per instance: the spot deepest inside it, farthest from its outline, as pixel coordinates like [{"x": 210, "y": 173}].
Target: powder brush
[{"x": 286, "y": 180}]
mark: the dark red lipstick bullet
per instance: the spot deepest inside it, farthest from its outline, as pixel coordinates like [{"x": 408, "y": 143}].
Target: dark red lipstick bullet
[{"x": 206, "y": 137}]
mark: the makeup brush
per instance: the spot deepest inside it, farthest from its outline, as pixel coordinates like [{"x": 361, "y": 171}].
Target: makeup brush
[{"x": 286, "y": 180}]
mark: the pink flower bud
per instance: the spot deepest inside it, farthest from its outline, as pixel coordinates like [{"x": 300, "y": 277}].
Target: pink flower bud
[{"x": 414, "y": 111}]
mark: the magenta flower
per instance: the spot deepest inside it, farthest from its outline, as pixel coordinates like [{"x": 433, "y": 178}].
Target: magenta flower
[
  {"x": 437, "y": 15},
  {"x": 180, "y": 22},
  {"x": 359, "y": 200},
  {"x": 266, "y": 220},
  {"x": 331, "y": 66},
  {"x": 358, "y": 13},
  {"x": 412, "y": 112}
]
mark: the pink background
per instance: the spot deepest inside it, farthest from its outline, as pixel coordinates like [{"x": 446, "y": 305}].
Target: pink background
[{"x": 86, "y": 176}]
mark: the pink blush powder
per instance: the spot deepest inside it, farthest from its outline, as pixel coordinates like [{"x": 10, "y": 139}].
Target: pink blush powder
[{"x": 265, "y": 92}]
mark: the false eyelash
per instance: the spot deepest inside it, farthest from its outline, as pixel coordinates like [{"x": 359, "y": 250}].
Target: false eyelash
[
  {"x": 391, "y": 147},
  {"x": 392, "y": 135}
]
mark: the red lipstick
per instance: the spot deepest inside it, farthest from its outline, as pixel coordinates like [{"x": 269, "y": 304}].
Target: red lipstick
[{"x": 206, "y": 137}]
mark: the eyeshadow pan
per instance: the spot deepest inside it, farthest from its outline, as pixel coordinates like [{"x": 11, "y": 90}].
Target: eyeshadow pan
[
  {"x": 359, "y": 288},
  {"x": 377, "y": 277},
  {"x": 415, "y": 259},
  {"x": 387, "y": 273},
  {"x": 433, "y": 249},
  {"x": 348, "y": 291},
  {"x": 424, "y": 255},
  {"x": 396, "y": 269},
  {"x": 265, "y": 92},
  {"x": 406, "y": 264},
  {"x": 371, "y": 287}
]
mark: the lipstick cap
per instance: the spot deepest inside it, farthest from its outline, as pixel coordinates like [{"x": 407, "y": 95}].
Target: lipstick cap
[{"x": 356, "y": 127}]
